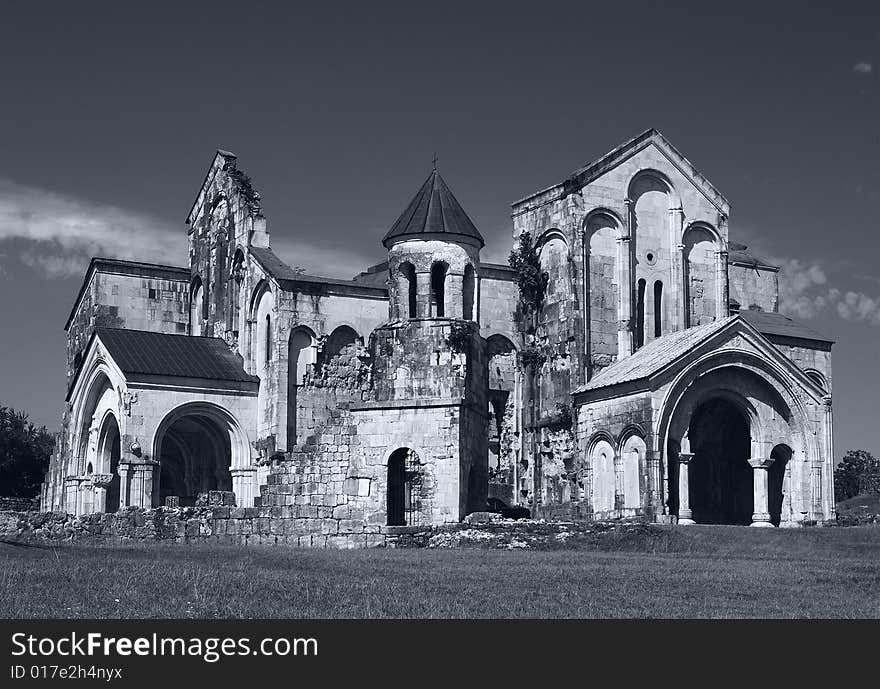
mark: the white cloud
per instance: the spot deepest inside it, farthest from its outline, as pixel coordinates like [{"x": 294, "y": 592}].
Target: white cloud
[
  {"x": 863, "y": 68},
  {"x": 60, "y": 233},
  {"x": 804, "y": 293}
]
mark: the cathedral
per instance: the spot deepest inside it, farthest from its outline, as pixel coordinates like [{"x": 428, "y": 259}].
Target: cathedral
[{"x": 630, "y": 363}]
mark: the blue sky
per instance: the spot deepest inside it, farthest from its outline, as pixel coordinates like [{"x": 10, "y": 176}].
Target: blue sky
[{"x": 111, "y": 114}]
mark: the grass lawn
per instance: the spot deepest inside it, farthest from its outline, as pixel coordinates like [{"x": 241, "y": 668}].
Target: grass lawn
[{"x": 698, "y": 571}]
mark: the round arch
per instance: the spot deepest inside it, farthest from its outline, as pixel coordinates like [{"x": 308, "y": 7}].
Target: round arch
[
  {"x": 205, "y": 442},
  {"x": 652, "y": 180}
]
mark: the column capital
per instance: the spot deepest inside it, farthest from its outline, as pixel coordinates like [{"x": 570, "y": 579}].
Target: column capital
[
  {"x": 826, "y": 400},
  {"x": 685, "y": 457},
  {"x": 761, "y": 462},
  {"x": 627, "y": 202}
]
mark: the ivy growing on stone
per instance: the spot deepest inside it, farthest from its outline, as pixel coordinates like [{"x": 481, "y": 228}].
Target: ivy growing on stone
[{"x": 459, "y": 337}]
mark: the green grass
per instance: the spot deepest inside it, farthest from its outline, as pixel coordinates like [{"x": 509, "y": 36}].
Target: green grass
[{"x": 664, "y": 572}]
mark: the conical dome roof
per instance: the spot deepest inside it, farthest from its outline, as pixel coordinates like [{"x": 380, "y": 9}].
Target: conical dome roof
[{"x": 434, "y": 213}]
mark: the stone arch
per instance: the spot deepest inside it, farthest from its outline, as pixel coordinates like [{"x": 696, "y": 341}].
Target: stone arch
[
  {"x": 701, "y": 244},
  {"x": 779, "y": 484},
  {"x": 760, "y": 391},
  {"x": 403, "y": 487},
  {"x": 197, "y": 446},
  {"x": 469, "y": 293},
  {"x": 602, "y": 230},
  {"x": 237, "y": 277},
  {"x": 553, "y": 255},
  {"x": 503, "y": 377},
  {"x": 604, "y": 479},
  {"x": 818, "y": 378},
  {"x": 197, "y": 306},
  {"x": 439, "y": 275},
  {"x": 301, "y": 357},
  {"x": 632, "y": 455},
  {"x": 97, "y": 397},
  {"x": 407, "y": 290},
  {"x": 108, "y": 493},
  {"x": 652, "y": 200}
]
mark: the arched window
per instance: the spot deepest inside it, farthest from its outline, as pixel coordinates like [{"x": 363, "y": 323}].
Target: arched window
[
  {"x": 268, "y": 338},
  {"x": 468, "y": 287},
  {"x": 407, "y": 290},
  {"x": 403, "y": 488},
  {"x": 438, "y": 289},
  {"x": 640, "y": 314},
  {"x": 658, "y": 308},
  {"x": 300, "y": 356},
  {"x": 196, "y": 307}
]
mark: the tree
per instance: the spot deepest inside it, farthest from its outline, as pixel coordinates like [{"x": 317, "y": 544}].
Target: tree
[
  {"x": 24, "y": 454},
  {"x": 857, "y": 474}
]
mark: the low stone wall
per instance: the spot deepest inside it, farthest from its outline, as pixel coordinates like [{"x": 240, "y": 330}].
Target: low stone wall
[
  {"x": 211, "y": 524},
  {"x": 19, "y": 504}
]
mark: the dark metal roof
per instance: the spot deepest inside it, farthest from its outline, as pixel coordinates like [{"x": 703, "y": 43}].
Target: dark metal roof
[
  {"x": 140, "y": 352},
  {"x": 780, "y": 325},
  {"x": 434, "y": 211}
]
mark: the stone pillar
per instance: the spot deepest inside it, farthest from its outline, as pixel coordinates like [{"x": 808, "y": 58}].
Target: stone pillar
[
  {"x": 682, "y": 304},
  {"x": 71, "y": 494},
  {"x": 721, "y": 295},
  {"x": 454, "y": 295},
  {"x": 675, "y": 295},
  {"x": 423, "y": 295},
  {"x": 685, "y": 516},
  {"x": 761, "y": 515},
  {"x": 655, "y": 503},
  {"x": 141, "y": 486},
  {"x": 244, "y": 485},
  {"x": 625, "y": 287}
]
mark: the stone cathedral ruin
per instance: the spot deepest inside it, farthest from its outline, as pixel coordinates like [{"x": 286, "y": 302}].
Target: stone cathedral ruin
[{"x": 651, "y": 378}]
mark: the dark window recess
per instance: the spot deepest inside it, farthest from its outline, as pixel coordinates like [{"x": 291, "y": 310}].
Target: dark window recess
[{"x": 152, "y": 293}]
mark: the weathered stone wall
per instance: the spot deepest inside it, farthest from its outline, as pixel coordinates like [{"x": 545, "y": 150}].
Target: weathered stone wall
[
  {"x": 754, "y": 287},
  {"x": 141, "y": 298}
]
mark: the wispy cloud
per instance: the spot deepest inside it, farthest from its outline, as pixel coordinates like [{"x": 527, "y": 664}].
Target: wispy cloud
[
  {"x": 863, "y": 68},
  {"x": 58, "y": 233},
  {"x": 804, "y": 293}
]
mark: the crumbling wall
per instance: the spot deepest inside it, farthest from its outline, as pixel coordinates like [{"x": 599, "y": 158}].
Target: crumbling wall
[{"x": 754, "y": 287}]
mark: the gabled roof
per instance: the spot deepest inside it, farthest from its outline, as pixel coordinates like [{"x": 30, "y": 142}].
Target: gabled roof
[
  {"x": 654, "y": 355},
  {"x": 780, "y": 325},
  {"x": 138, "y": 352},
  {"x": 434, "y": 213},
  {"x": 613, "y": 158},
  {"x": 664, "y": 351},
  {"x": 117, "y": 266}
]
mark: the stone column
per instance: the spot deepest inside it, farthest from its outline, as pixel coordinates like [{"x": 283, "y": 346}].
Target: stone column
[
  {"x": 675, "y": 292},
  {"x": 721, "y": 295},
  {"x": 685, "y": 516},
  {"x": 71, "y": 491},
  {"x": 625, "y": 287},
  {"x": 454, "y": 295},
  {"x": 244, "y": 485},
  {"x": 423, "y": 295},
  {"x": 141, "y": 488},
  {"x": 652, "y": 461},
  {"x": 682, "y": 304},
  {"x": 761, "y": 515}
]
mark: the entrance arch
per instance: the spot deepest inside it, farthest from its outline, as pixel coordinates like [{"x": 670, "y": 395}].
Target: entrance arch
[
  {"x": 721, "y": 478},
  {"x": 197, "y": 445},
  {"x": 109, "y": 451}
]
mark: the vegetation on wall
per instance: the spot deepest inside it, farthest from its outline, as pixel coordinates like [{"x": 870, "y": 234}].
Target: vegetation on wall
[
  {"x": 530, "y": 279},
  {"x": 24, "y": 454},
  {"x": 459, "y": 337}
]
